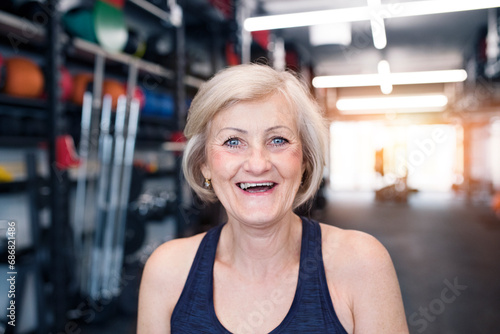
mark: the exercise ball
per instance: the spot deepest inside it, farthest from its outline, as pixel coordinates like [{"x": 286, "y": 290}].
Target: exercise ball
[
  {"x": 113, "y": 88},
  {"x": 23, "y": 78},
  {"x": 81, "y": 84}
]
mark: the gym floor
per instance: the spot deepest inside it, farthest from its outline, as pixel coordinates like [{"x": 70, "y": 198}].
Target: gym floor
[{"x": 445, "y": 251}]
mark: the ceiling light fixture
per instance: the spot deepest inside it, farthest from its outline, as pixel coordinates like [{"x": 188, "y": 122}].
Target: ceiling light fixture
[
  {"x": 377, "y": 25},
  {"x": 384, "y": 70},
  {"x": 383, "y": 11},
  {"x": 385, "y": 78},
  {"x": 334, "y": 33},
  {"x": 410, "y": 103}
]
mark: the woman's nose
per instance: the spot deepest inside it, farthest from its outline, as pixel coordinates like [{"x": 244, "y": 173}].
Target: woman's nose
[{"x": 257, "y": 161}]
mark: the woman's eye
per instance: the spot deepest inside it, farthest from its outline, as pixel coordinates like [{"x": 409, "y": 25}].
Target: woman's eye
[
  {"x": 232, "y": 142},
  {"x": 279, "y": 141}
]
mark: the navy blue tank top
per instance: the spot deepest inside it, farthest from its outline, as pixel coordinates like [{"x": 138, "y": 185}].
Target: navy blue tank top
[{"x": 312, "y": 309}]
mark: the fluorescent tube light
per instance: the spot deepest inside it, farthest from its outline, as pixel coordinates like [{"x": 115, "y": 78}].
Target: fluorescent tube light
[
  {"x": 383, "y": 11},
  {"x": 377, "y": 25},
  {"x": 334, "y": 33},
  {"x": 411, "y": 103},
  {"x": 404, "y": 78},
  {"x": 334, "y": 81},
  {"x": 379, "y": 35},
  {"x": 384, "y": 70},
  {"x": 306, "y": 19}
]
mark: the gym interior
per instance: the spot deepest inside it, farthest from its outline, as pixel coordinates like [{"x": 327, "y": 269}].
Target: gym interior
[{"x": 94, "y": 96}]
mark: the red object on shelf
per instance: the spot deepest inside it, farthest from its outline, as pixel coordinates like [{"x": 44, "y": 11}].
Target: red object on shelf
[
  {"x": 292, "y": 60},
  {"x": 66, "y": 84},
  {"x": 178, "y": 137},
  {"x": 66, "y": 156},
  {"x": 138, "y": 95},
  {"x": 261, "y": 37},
  {"x": 231, "y": 57},
  {"x": 115, "y": 3},
  {"x": 226, "y": 7}
]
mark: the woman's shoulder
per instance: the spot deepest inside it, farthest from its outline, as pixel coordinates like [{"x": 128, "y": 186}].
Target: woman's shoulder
[
  {"x": 174, "y": 258},
  {"x": 362, "y": 281},
  {"x": 163, "y": 280},
  {"x": 351, "y": 250},
  {"x": 168, "y": 267}
]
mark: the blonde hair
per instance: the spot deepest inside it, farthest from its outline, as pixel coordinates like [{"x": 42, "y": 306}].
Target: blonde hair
[{"x": 253, "y": 82}]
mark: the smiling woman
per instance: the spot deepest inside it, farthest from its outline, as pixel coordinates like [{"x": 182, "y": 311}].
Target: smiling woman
[
  {"x": 256, "y": 143},
  {"x": 254, "y": 160},
  {"x": 252, "y": 83}
]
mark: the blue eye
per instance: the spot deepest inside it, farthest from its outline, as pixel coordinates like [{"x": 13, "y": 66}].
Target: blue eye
[
  {"x": 232, "y": 142},
  {"x": 278, "y": 141}
]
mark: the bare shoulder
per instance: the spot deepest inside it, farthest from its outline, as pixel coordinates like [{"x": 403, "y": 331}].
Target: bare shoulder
[
  {"x": 353, "y": 250},
  {"x": 172, "y": 257},
  {"x": 163, "y": 280},
  {"x": 362, "y": 280}
]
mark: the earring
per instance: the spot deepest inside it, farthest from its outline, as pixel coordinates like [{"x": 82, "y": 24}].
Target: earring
[{"x": 207, "y": 183}]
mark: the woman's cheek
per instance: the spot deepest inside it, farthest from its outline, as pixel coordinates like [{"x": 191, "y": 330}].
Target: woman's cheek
[
  {"x": 222, "y": 160},
  {"x": 292, "y": 155},
  {"x": 290, "y": 162}
]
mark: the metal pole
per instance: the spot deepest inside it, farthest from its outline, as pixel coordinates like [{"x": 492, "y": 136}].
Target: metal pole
[
  {"x": 114, "y": 197},
  {"x": 58, "y": 178},
  {"x": 128, "y": 161},
  {"x": 105, "y": 151},
  {"x": 180, "y": 104},
  {"x": 243, "y": 12},
  {"x": 81, "y": 187},
  {"x": 90, "y": 224},
  {"x": 180, "y": 73},
  {"x": 36, "y": 239}
]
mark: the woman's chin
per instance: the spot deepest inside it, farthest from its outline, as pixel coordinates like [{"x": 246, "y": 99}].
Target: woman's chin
[{"x": 258, "y": 217}]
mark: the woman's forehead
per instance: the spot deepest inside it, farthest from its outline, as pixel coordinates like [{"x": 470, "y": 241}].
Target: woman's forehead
[{"x": 256, "y": 114}]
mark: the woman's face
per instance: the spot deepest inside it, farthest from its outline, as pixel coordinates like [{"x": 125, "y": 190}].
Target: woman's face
[{"x": 254, "y": 158}]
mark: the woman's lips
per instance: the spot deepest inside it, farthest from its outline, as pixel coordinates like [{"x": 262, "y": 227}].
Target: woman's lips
[{"x": 260, "y": 187}]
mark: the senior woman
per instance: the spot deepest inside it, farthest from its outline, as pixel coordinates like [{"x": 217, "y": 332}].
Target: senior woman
[{"x": 256, "y": 143}]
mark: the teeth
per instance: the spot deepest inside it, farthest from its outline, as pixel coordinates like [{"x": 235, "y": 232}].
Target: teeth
[{"x": 245, "y": 186}]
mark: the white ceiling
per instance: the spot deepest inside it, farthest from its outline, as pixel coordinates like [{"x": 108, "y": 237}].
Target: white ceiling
[{"x": 432, "y": 42}]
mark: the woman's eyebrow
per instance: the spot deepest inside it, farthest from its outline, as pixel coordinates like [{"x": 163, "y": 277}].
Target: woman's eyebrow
[
  {"x": 245, "y": 132},
  {"x": 233, "y": 129},
  {"x": 278, "y": 127}
]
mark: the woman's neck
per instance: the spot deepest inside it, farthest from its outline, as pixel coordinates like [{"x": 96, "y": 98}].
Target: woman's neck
[{"x": 263, "y": 251}]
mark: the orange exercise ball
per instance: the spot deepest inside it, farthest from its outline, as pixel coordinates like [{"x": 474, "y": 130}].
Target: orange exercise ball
[
  {"x": 23, "y": 78},
  {"x": 113, "y": 88},
  {"x": 81, "y": 83}
]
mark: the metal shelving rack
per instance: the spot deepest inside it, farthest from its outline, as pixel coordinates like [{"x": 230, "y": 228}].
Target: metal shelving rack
[{"x": 53, "y": 38}]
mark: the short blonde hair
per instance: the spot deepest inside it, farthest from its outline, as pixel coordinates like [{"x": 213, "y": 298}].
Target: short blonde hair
[{"x": 253, "y": 82}]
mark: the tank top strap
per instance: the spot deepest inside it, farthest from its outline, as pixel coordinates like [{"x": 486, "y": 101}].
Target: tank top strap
[
  {"x": 196, "y": 296},
  {"x": 313, "y": 278}
]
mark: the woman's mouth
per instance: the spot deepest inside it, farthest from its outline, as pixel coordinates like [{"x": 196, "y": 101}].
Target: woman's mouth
[{"x": 257, "y": 187}]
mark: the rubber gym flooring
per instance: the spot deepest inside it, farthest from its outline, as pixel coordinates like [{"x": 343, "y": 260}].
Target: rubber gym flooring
[{"x": 446, "y": 252}]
